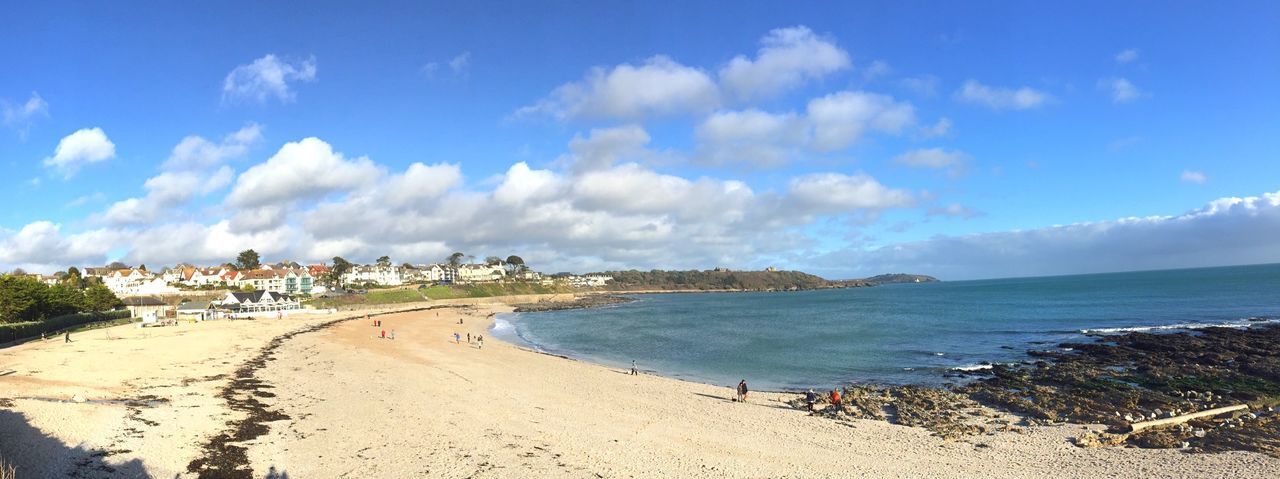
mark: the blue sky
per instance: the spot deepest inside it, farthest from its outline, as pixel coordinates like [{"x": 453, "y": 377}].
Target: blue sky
[{"x": 843, "y": 138}]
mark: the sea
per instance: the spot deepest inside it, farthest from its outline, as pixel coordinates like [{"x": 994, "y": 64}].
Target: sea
[{"x": 913, "y": 333}]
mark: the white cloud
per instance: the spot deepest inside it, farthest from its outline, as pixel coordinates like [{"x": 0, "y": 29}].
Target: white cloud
[
  {"x": 834, "y": 192},
  {"x": 840, "y": 119},
  {"x": 267, "y": 77},
  {"x": 603, "y": 147},
  {"x": 1024, "y": 98},
  {"x": 85, "y": 146},
  {"x": 940, "y": 129},
  {"x": 460, "y": 63},
  {"x": 658, "y": 87},
  {"x": 787, "y": 58},
  {"x": 954, "y": 210},
  {"x": 876, "y": 69},
  {"x": 1127, "y": 56},
  {"x": 21, "y": 116},
  {"x": 1192, "y": 176},
  {"x": 956, "y": 162},
  {"x": 195, "y": 152},
  {"x": 307, "y": 169},
  {"x": 751, "y": 136},
  {"x": 1225, "y": 232},
  {"x": 1122, "y": 90},
  {"x": 925, "y": 86}
]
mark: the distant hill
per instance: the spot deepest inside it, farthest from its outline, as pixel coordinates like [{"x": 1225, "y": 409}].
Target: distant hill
[
  {"x": 901, "y": 278},
  {"x": 721, "y": 280}
]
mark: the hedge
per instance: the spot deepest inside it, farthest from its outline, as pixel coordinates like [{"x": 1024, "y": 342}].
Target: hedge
[{"x": 15, "y": 331}]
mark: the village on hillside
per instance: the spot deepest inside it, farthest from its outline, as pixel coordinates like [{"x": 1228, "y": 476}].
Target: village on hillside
[{"x": 249, "y": 288}]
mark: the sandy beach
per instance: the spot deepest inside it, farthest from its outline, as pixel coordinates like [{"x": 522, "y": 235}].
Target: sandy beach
[{"x": 344, "y": 402}]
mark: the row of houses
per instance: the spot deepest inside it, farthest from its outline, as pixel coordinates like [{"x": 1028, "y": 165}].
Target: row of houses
[
  {"x": 138, "y": 282},
  {"x": 390, "y": 275},
  {"x": 151, "y": 308}
]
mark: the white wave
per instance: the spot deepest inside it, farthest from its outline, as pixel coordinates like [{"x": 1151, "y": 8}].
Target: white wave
[
  {"x": 1168, "y": 327},
  {"x": 502, "y": 324},
  {"x": 973, "y": 367}
]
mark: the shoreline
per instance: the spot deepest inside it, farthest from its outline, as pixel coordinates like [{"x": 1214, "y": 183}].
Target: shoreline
[{"x": 422, "y": 405}]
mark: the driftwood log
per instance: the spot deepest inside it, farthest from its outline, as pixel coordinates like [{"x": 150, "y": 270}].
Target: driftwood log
[{"x": 1138, "y": 426}]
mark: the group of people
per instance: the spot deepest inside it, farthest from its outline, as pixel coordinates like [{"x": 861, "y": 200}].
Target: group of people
[
  {"x": 478, "y": 340},
  {"x": 810, "y": 398}
]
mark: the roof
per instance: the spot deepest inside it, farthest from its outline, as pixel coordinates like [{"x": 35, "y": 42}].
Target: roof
[
  {"x": 142, "y": 301},
  {"x": 256, "y": 296},
  {"x": 194, "y": 306}
]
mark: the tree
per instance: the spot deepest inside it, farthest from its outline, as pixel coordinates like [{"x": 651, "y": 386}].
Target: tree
[
  {"x": 340, "y": 267},
  {"x": 19, "y": 272},
  {"x": 117, "y": 265},
  {"x": 384, "y": 261},
  {"x": 248, "y": 259},
  {"x": 142, "y": 267},
  {"x": 62, "y": 299},
  {"x": 98, "y": 298},
  {"x": 407, "y": 266},
  {"x": 248, "y": 288},
  {"x": 492, "y": 260},
  {"x": 456, "y": 259},
  {"x": 73, "y": 278},
  {"x": 20, "y": 299},
  {"x": 515, "y": 264}
]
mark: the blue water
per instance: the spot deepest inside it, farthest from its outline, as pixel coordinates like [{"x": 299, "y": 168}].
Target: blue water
[{"x": 893, "y": 334}]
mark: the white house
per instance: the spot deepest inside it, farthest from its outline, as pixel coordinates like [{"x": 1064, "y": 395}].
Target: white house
[
  {"x": 377, "y": 274},
  {"x": 479, "y": 273},
  {"x": 287, "y": 281}
]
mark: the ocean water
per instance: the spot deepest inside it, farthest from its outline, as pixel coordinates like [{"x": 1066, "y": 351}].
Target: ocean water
[{"x": 891, "y": 334}]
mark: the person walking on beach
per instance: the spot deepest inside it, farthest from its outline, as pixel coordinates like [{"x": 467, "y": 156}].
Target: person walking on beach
[
  {"x": 480, "y": 341},
  {"x": 457, "y": 338},
  {"x": 393, "y": 334},
  {"x": 742, "y": 391},
  {"x": 67, "y": 338},
  {"x": 634, "y": 371},
  {"x": 835, "y": 400},
  {"x": 468, "y": 338},
  {"x": 810, "y": 398}
]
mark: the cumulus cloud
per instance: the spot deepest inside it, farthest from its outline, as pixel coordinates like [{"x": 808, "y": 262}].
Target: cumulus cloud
[
  {"x": 1224, "y": 232},
  {"x": 658, "y": 87},
  {"x": 1121, "y": 90},
  {"x": 751, "y": 136},
  {"x": 195, "y": 152},
  {"x": 955, "y": 162},
  {"x": 266, "y": 78},
  {"x": 85, "y": 146},
  {"x": 1192, "y": 176},
  {"x": 603, "y": 147},
  {"x": 21, "y": 116},
  {"x": 306, "y": 169},
  {"x": 1127, "y": 56},
  {"x": 787, "y": 58},
  {"x": 835, "y": 192},
  {"x": 840, "y": 119},
  {"x": 194, "y": 168},
  {"x": 41, "y": 246},
  {"x": 996, "y": 98}
]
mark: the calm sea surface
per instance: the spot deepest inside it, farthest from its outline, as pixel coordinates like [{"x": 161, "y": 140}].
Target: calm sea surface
[{"x": 903, "y": 333}]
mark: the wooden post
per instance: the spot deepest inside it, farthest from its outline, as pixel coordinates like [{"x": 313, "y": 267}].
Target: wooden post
[{"x": 1137, "y": 426}]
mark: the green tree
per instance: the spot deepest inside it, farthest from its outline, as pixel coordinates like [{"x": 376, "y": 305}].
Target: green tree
[
  {"x": 515, "y": 264},
  {"x": 73, "y": 278},
  {"x": 248, "y": 259},
  {"x": 340, "y": 267},
  {"x": 62, "y": 299},
  {"x": 117, "y": 265},
  {"x": 98, "y": 298},
  {"x": 492, "y": 260},
  {"x": 384, "y": 261},
  {"x": 20, "y": 299},
  {"x": 456, "y": 259}
]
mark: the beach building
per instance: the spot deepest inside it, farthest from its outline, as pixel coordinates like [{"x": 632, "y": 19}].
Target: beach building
[
  {"x": 594, "y": 280},
  {"x": 145, "y": 306},
  {"x": 135, "y": 282},
  {"x": 259, "y": 301},
  {"x": 198, "y": 311}
]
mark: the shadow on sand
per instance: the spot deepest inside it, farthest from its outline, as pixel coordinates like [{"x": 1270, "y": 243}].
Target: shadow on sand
[{"x": 35, "y": 454}]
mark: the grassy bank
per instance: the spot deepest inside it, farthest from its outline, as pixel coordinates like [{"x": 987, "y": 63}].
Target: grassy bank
[
  {"x": 409, "y": 295},
  {"x": 78, "y": 322}
]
